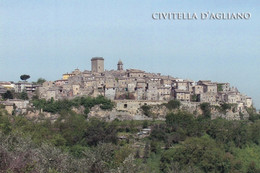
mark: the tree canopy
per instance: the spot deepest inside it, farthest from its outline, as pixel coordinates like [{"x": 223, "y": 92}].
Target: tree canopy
[{"x": 24, "y": 77}]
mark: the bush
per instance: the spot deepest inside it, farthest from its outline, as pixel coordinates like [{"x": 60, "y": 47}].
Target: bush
[
  {"x": 173, "y": 104},
  {"x": 146, "y": 110},
  {"x": 202, "y": 152},
  {"x": 206, "y": 109},
  {"x": 225, "y": 107},
  {"x": 99, "y": 132},
  {"x": 88, "y": 102},
  {"x": 145, "y": 124}
]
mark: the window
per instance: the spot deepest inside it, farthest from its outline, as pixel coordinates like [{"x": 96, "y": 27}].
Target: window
[{"x": 125, "y": 105}]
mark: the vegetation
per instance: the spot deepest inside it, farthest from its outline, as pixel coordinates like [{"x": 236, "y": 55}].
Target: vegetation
[
  {"x": 173, "y": 104},
  {"x": 23, "y": 95},
  {"x": 14, "y": 95},
  {"x": 7, "y": 95},
  {"x": 66, "y": 105},
  {"x": 206, "y": 109},
  {"x": 146, "y": 110},
  {"x": 74, "y": 143},
  {"x": 194, "y": 98},
  {"x": 40, "y": 81},
  {"x": 219, "y": 87},
  {"x": 24, "y": 77}
]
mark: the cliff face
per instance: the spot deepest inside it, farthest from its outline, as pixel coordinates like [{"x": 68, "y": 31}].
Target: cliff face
[
  {"x": 110, "y": 115},
  {"x": 160, "y": 111},
  {"x": 230, "y": 115},
  {"x": 151, "y": 111}
]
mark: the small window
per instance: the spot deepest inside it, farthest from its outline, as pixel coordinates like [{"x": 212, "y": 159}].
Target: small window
[{"x": 125, "y": 105}]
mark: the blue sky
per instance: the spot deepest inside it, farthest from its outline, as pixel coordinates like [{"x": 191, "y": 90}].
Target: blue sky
[{"x": 51, "y": 37}]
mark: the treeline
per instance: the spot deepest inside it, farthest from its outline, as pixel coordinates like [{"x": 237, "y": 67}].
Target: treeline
[
  {"x": 70, "y": 144},
  {"x": 74, "y": 143},
  {"x": 206, "y": 145},
  {"x": 13, "y": 95}
]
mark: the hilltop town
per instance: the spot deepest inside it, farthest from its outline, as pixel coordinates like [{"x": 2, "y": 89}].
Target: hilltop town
[{"x": 130, "y": 89}]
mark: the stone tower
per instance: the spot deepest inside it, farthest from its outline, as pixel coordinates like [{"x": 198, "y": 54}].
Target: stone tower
[
  {"x": 97, "y": 65},
  {"x": 119, "y": 65}
]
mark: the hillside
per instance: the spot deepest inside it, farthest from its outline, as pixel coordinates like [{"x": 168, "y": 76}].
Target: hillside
[{"x": 75, "y": 142}]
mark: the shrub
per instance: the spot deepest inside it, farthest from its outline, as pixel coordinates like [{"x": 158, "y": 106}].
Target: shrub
[
  {"x": 206, "y": 109},
  {"x": 146, "y": 110},
  {"x": 173, "y": 104}
]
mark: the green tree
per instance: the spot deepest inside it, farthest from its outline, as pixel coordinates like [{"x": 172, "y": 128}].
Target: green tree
[
  {"x": 146, "y": 151},
  {"x": 203, "y": 152},
  {"x": 40, "y": 81},
  {"x": 225, "y": 107},
  {"x": 146, "y": 110},
  {"x": 72, "y": 128},
  {"x": 206, "y": 109},
  {"x": 5, "y": 125},
  {"x": 23, "y": 95},
  {"x": 99, "y": 131},
  {"x": 145, "y": 124},
  {"x": 180, "y": 119},
  {"x": 24, "y": 77},
  {"x": 158, "y": 133},
  {"x": 254, "y": 130},
  {"x": 219, "y": 87},
  {"x": 8, "y": 95},
  {"x": 252, "y": 168},
  {"x": 173, "y": 104},
  {"x": 194, "y": 98}
]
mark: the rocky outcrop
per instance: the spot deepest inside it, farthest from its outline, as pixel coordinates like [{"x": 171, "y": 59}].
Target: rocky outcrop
[
  {"x": 156, "y": 111},
  {"x": 110, "y": 115}
]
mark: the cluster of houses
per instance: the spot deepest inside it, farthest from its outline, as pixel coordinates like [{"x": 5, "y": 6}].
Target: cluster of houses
[
  {"x": 130, "y": 84},
  {"x": 17, "y": 104},
  {"x": 134, "y": 84},
  {"x": 18, "y": 87}
]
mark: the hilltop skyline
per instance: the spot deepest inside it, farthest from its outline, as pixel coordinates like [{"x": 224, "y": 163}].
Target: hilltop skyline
[{"x": 47, "y": 39}]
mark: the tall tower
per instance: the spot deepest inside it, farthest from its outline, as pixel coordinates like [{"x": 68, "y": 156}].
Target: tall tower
[
  {"x": 97, "y": 64},
  {"x": 119, "y": 65}
]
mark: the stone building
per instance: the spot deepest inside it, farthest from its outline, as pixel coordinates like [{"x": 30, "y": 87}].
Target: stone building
[
  {"x": 164, "y": 93},
  {"x": 182, "y": 95},
  {"x": 2, "y": 90},
  {"x": 135, "y": 73},
  {"x": 197, "y": 89},
  {"x": 120, "y": 65},
  {"x": 181, "y": 84},
  {"x": 152, "y": 91},
  {"x": 24, "y": 86},
  {"x": 134, "y": 84},
  {"x": 9, "y": 107},
  {"x": 97, "y": 64},
  {"x": 232, "y": 97},
  {"x": 209, "y": 97},
  {"x": 110, "y": 92},
  {"x": 223, "y": 87},
  {"x": 208, "y": 86}
]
